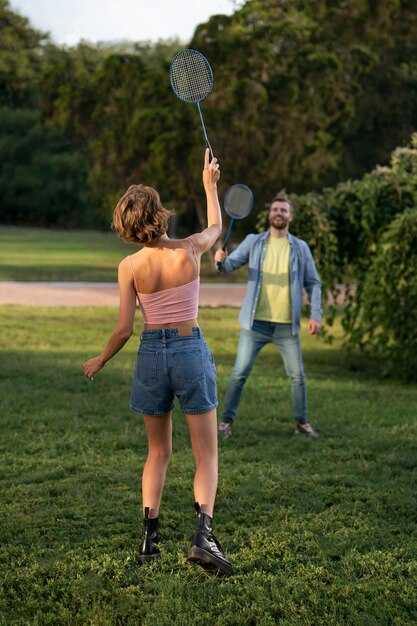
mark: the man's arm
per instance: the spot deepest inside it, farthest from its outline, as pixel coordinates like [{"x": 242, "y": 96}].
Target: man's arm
[
  {"x": 312, "y": 285},
  {"x": 240, "y": 256}
]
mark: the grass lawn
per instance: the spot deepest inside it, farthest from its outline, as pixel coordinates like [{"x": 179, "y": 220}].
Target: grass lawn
[
  {"x": 320, "y": 532},
  {"x": 39, "y": 254}
]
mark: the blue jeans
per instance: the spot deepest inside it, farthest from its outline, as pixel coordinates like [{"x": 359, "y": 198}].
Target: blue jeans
[
  {"x": 169, "y": 365},
  {"x": 250, "y": 343}
]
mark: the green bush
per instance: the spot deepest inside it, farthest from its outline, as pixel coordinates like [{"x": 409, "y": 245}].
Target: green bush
[
  {"x": 385, "y": 324},
  {"x": 379, "y": 199},
  {"x": 350, "y": 229}
]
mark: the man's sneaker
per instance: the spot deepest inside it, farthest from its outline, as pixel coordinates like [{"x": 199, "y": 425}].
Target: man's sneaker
[
  {"x": 304, "y": 428},
  {"x": 225, "y": 429}
]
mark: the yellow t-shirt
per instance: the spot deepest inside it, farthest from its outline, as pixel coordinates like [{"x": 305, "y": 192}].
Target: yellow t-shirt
[{"x": 274, "y": 304}]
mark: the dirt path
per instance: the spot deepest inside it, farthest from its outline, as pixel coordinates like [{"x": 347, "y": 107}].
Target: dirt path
[{"x": 103, "y": 294}]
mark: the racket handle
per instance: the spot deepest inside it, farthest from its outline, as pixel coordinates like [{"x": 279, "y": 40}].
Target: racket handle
[
  {"x": 204, "y": 130},
  {"x": 229, "y": 230},
  {"x": 209, "y": 147}
]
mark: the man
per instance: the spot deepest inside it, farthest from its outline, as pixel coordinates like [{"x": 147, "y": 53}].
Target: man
[{"x": 280, "y": 265}]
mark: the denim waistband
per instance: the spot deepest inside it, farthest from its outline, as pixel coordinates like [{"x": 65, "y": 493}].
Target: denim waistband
[{"x": 166, "y": 333}]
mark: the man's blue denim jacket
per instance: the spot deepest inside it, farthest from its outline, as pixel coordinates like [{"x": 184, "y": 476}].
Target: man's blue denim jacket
[{"x": 302, "y": 272}]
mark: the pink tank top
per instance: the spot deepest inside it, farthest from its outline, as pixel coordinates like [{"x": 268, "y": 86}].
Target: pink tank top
[{"x": 176, "y": 304}]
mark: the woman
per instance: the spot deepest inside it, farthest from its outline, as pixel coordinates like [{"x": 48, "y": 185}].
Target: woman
[{"x": 173, "y": 358}]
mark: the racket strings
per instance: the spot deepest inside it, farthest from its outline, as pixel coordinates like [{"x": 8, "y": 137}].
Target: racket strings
[
  {"x": 191, "y": 76},
  {"x": 238, "y": 201}
]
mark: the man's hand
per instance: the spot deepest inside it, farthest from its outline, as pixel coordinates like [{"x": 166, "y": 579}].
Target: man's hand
[
  {"x": 220, "y": 256},
  {"x": 313, "y": 327}
]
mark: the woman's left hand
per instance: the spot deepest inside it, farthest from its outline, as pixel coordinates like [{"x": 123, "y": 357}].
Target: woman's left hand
[{"x": 92, "y": 366}]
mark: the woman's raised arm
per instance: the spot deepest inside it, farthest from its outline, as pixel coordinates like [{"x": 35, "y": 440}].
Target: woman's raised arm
[{"x": 211, "y": 173}]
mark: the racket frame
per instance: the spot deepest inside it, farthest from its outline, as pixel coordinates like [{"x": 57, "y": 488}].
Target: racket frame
[
  {"x": 234, "y": 217},
  {"x": 194, "y": 101}
]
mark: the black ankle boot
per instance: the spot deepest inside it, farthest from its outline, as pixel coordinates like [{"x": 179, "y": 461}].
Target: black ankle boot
[
  {"x": 148, "y": 547},
  {"x": 205, "y": 549}
]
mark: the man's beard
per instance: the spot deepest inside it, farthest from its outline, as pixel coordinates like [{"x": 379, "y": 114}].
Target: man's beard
[{"x": 279, "y": 223}]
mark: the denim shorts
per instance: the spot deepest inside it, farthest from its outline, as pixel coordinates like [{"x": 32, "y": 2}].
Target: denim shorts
[{"x": 170, "y": 365}]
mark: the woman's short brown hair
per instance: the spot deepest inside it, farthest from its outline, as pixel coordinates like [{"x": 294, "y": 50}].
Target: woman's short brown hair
[{"x": 139, "y": 216}]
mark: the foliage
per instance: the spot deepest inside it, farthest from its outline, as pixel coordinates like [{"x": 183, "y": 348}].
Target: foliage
[
  {"x": 384, "y": 323},
  {"x": 319, "y": 532},
  {"x": 113, "y": 106},
  {"x": 365, "y": 213},
  {"x": 295, "y": 82},
  {"x": 300, "y": 100},
  {"x": 346, "y": 227},
  {"x": 362, "y": 209},
  {"x": 387, "y": 107},
  {"x": 20, "y": 58},
  {"x": 42, "y": 182}
]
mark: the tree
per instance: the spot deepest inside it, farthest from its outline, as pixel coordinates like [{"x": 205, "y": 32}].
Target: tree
[
  {"x": 41, "y": 182},
  {"x": 297, "y": 103},
  {"x": 20, "y": 58},
  {"x": 295, "y": 84}
]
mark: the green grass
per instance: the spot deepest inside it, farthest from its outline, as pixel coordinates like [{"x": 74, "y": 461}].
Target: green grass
[
  {"x": 37, "y": 254},
  {"x": 319, "y": 532}
]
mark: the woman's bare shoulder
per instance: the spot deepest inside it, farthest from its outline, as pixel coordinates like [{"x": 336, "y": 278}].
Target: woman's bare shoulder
[
  {"x": 176, "y": 243},
  {"x": 132, "y": 257},
  {"x": 206, "y": 239}
]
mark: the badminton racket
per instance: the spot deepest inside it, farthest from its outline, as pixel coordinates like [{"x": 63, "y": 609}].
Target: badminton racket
[
  {"x": 192, "y": 80},
  {"x": 238, "y": 203}
]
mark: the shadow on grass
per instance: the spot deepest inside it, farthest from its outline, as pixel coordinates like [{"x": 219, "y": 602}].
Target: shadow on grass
[{"x": 320, "y": 531}]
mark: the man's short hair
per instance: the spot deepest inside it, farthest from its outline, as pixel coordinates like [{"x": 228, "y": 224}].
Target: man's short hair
[{"x": 282, "y": 197}]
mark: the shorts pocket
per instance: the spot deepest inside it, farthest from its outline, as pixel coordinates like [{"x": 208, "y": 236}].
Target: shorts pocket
[
  {"x": 147, "y": 367},
  {"x": 188, "y": 365}
]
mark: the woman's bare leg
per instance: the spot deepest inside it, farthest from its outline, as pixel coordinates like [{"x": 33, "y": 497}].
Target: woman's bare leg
[
  {"x": 159, "y": 430},
  {"x": 203, "y": 433}
]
